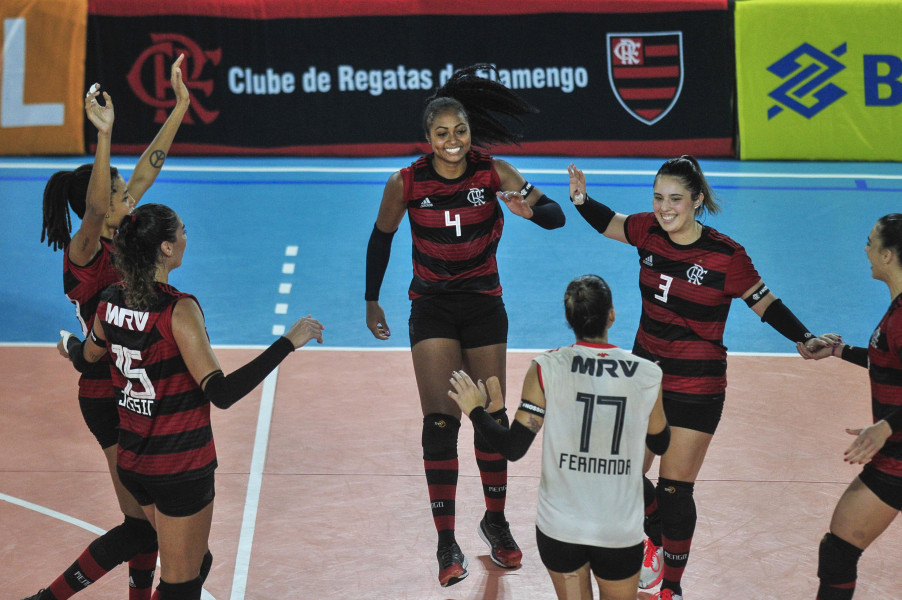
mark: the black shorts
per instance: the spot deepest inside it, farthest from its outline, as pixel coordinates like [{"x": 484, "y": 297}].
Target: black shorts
[
  {"x": 475, "y": 320},
  {"x": 177, "y": 499},
  {"x": 102, "y": 419},
  {"x": 698, "y": 416},
  {"x": 886, "y": 487},
  {"x": 612, "y": 564}
]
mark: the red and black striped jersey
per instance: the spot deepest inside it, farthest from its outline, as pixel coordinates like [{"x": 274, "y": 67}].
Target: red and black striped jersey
[
  {"x": 83, "y": 286},
  {"x": 455, "y": 225},
  {"x": 686, "y": 296},
  {"x": 885, "y": 371},
  {"x": 164, "y": 419}
]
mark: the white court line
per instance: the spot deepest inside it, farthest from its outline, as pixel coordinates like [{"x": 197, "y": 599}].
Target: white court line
[
  {"x": 254, "y": 484},
  {"x": 404, "y": 162},
  {"x": 205, "y": 595}
]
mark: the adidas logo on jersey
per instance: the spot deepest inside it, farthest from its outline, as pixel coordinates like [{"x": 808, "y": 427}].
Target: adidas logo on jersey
[
  {"x": 647, "y": 261},
  {"x": 426, "y": 203}
]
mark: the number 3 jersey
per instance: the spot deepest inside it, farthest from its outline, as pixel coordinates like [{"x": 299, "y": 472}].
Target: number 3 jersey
[
  {"x": 598, "y": 402},
  {"x": 164, "y": 419},
  {"x": 686, "y": 295},
  {"x": 455, "y": 225}
]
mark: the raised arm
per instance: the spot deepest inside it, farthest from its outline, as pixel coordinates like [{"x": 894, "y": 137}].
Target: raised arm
[
  {"x": 223, "y": 391},
  {"x": 604, "y": 220},
  {"x": 378, "y": 251},
  {"x": 151, "y": 161},
  {"x": 86, "y": 241},
  {"x": 525, "y": 200}
]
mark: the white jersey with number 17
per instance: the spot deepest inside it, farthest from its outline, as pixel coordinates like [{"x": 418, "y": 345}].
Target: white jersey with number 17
[{"x": 598, "y": 402}]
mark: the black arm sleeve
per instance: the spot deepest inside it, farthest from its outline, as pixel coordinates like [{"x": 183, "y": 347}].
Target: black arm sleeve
[
  {"x": 781, "y": 318},
  {"x": 658, "y": 442},
  {"x": 75, "y": 348},
  {"x": 596, "y": 214},
  {"x": 547, "y": 214},
  {"x": 894, "y": 419},
  {"x": 377, "y": 254},
  {"x": 855, "y": 355},
  {"x": 223, "y": 392},
  {"x": 511, "y": 443}
]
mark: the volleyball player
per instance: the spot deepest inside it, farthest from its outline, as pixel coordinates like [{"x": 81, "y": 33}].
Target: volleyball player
[
  {"x": 601, "y": 407},
  {"x": 99, "y": 196},
  {"x": 166, "y": 377},
  {"x": 874, "y": 498},
  {"x": 452, "y": 197},
  {"x": 689, "y": 274}
]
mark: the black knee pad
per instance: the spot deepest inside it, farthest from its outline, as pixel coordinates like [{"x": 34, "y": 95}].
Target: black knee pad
[
  {"x": 648, "y": 491},
  {"x": 677, "y": 507},
  {"x": 123, "y": 542},
  {"x": 440, "y": 436},
  {"x": 187, "y": 590},
  {"x": 206, "y": 565},
  {"x": 837, "y": 561},
  {"x": 479, "y": 441}
]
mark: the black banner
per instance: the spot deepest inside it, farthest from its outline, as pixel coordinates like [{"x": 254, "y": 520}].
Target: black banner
[{"x": 644, "y": 84}]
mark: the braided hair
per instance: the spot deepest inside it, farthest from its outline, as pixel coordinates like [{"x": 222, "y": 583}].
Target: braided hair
[
  {"x": 65, "y": 190},
  {"x": 587, "y": 304},
  {"x": 488, "y": 105},
  {"x": 136, "y": 248},
  {"x": 689, "y": 172}
]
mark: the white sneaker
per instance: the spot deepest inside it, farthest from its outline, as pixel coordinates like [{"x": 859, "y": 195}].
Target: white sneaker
[{"x": 652, "y": 566}]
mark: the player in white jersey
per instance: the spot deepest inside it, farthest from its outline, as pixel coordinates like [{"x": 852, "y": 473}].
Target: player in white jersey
[{"x": 602, "y": 407}]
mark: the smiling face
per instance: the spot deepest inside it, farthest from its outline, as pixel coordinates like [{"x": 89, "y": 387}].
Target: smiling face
[
  {"x": 449, "y": 136},
  {"x": 876, "y": 253},
  {"x": 121, "y": 203},
  {"x": 675, "y": 209}
]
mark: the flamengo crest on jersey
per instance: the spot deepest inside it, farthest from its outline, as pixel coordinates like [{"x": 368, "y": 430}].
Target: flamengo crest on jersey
[
  {"x": 687, "y": 291},
  {"x": 455, "y": 226}
]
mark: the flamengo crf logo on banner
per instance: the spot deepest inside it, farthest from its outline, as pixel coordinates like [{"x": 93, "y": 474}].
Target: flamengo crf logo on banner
[{"x": 646, "y": 72}]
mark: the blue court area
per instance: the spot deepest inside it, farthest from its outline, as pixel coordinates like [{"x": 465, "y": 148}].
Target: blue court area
[{"x": 270, "y": 240}]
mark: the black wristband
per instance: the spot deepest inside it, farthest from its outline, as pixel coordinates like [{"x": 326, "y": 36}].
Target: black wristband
[
  {"x": 658, "y": 442},
  {"x": 547, "y": 214},
  {"x": 223, "y": 392},
  {"x": 377, "y": 253},
  {"x": 781, "y": 318},
  {"x": 596, "y": 214}
]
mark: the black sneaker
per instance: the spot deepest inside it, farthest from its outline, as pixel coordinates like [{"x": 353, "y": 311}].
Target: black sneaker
[
  {"x": 505, "y": 552},
  {"x": 37, "y": 596},
  {"x": 452, "y": 564}
]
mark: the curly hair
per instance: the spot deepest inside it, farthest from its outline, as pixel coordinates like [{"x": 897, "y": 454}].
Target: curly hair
[
  {"x": 136, "y": 250},
  {"x": 64, "y": 190},
  {"x": 488, "y": 105}
]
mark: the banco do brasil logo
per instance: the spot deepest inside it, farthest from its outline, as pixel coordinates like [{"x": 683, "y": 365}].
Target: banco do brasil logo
[{"x": 806, "y": 88}]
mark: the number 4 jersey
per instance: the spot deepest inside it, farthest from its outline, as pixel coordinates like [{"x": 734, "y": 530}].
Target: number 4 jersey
[
  {"x": 164, "y": 419},
  {"x": 456, "y": 225},
  {"x": 598, "y": 402}
]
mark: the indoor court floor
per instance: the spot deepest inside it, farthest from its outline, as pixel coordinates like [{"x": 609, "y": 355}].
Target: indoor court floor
[{"x": 320, "y": 488}]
